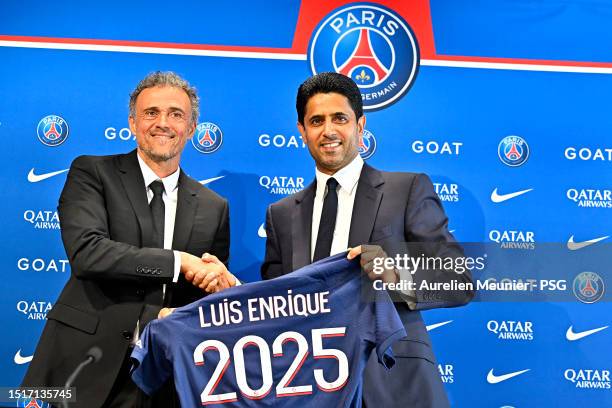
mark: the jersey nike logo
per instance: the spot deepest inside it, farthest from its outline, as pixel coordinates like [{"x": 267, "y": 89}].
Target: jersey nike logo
[
  {"x": 499, "y": 198},
  {"x": 210, "y": 180},
  {"x": 19, "y": 359},
  {"x": 573, "y": 336},
  {"x": 262, "y": 231},
  {"x": 35, "y": 178},
  {"x": 573, "y": 246},
  {"x": 494, "y": 379},
  {"x": 436, "y": 325}
]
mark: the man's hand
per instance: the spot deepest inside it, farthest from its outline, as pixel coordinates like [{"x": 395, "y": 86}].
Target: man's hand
[
  {"x": 368, "y": 254},
  {"x": 165, "y": 312},
  {"x": 210, "y": 275},
  {"x": 226, "y": 279}
]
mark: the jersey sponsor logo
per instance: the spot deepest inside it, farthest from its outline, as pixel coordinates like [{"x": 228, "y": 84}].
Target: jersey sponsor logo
[
  {"x": 588, "y": 154},
  {"x": 588, "y": 378},
  {"x": 446, "y": 373},
  {"x": 42, "y": 219},
  {"x": 495, "y": 379},
  {"x": 588, "y": 287},
  {"x": 571, "y": 335},
  {"x": 19, "y": 359},
  {"x": 34, "y": 310},
  {"x": 513, "y": 239},
  {"x": 281, "y": 141},
  {"x": 367, "y": 146},
  {"x": 433, "y": 147},
  {"x": 35, "y": 178},
  {"x": 513, "y": 151},
  {"x": 448, "y": 192},
  {"x": 574, "y": 246},
  {"x": 511, "y": 329},
  {"x": 500, "y": 198},
  {"x": 370, "y": 44},
  {"x": 434, "y": 326},
  {"x": 42, "y": 265},
  {"x": 208, "y": 138},
  {"x": 52, "y": 130},
  {"x": 590, "y": 197},
  {"x": 284, "y": 185}
]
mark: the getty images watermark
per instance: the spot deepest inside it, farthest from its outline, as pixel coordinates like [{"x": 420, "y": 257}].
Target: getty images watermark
[
  {"x": 406, "y": 264},
  {"x": 550, "y": 272}
]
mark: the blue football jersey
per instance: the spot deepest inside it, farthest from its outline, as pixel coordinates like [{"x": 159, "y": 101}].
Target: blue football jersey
[{"x": 302, "y": 339}]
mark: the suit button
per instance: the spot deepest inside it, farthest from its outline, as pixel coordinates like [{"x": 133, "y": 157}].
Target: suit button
[{"x": 126, "y": 335}]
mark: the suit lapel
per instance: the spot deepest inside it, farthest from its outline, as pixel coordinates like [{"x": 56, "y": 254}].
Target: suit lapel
[
  {"x": 133, "y": 183},
  {"x": 185, "y": 212},
  {"x": 302, "y": 226},
  {"x": 365, "y": 208}
]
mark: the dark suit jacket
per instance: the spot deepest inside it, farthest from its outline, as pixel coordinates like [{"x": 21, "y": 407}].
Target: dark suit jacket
[
  {"x": 107, "y": 232},
  {"x": 389, "y": 207}
]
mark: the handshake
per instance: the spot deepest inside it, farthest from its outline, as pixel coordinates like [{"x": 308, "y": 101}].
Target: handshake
[{"x": 207, "y": 273}]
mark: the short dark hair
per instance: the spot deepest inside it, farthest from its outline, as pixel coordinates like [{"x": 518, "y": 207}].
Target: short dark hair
[{"x": 328, "y": 82}]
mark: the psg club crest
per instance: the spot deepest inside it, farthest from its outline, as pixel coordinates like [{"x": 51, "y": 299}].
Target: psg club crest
[
  {"x": 370, "y": 44},
  {"x": 588, "y": 287},
  {"x": 208, "y": 138},
  {"x": 52, "y": 130},
  {"x": 513, "y": 151},
  {"x": 32, "y": 403},
  {"x": 367, "y": 147}
]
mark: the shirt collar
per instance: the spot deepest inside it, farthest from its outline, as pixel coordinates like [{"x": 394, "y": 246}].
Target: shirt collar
[
  {"x": 149, "y": 176},
  {"x": 347, "y": 177}
]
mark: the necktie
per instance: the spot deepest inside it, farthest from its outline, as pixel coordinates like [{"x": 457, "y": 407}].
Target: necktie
[
  {"x": 327, "y": 224},
  {"x": 158, "y": 212}
]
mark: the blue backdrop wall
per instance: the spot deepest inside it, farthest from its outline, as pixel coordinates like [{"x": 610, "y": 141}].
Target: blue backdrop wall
[{"x": 450, "y": 82}]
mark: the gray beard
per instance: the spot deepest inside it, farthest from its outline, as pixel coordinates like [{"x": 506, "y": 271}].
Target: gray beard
[{"x": 158, "y": 158}]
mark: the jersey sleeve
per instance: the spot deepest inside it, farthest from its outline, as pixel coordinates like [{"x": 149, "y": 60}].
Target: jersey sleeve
[
  {"x": 150, "y": 368},
  {"x": 388, "y": 328}
]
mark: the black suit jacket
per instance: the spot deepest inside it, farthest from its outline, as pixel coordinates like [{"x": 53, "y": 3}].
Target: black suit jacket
[
  {"x": 107, "y": 232},
  {"x": 388, "y": 208}
]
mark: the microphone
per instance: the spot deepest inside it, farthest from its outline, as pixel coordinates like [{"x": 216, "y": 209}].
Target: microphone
[{"x": 93, "y": 355}]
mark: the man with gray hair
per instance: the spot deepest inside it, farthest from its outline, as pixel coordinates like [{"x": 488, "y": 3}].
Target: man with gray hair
[{"x": 137, "y": 231}]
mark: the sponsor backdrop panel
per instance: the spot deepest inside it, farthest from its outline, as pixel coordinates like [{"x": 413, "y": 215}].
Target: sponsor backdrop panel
[{"x": 518, "y": 154}]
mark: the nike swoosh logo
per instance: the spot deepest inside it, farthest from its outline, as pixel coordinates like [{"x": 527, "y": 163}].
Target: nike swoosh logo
[
  {"x": 35, "y": 178},
  {"x": 494, "y": 379},
  {"x": 436, "y": 325},
  {"x": 573, "y": 336},
  {"x": 573, "y": 246},
  {"x": 210, "y": 180},
  {"x": 262, "y": 231},
  {"x": 500, "y": 198},
  {"x": 19, "y": 359}
]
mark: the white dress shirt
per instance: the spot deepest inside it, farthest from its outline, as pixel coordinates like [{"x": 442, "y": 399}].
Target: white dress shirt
[
  {"x": 347, "y": 178},
  {"x": 170, "y": 197}
]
